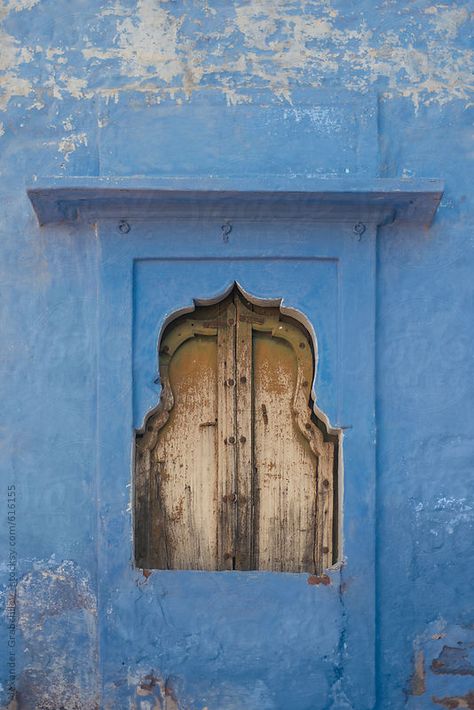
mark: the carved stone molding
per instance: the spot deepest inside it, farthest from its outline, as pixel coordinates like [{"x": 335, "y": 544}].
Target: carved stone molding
[{"x": 377, "y": 201}]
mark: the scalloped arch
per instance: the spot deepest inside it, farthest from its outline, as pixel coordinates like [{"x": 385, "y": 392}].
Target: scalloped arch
[{"x": 234, "y": 328}]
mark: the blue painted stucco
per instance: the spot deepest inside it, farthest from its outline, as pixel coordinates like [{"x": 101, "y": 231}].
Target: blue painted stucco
[{"x": 237, "y": 90}]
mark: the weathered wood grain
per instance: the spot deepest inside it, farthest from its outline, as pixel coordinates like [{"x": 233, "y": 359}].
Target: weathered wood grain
[
  {"x": 245, "y": 468},
  {"x": 184, "y": 462},
  {"x": 226, "y": 436},
  {"x": 286, "y": 467},
  {"x": 234, "y": 470}
]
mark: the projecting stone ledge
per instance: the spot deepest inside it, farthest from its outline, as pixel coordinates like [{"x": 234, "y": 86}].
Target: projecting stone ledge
[{"x": 378, "y": 201}]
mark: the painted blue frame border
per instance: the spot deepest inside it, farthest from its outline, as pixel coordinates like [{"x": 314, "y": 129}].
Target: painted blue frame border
[{"x": 341, "y": 615}]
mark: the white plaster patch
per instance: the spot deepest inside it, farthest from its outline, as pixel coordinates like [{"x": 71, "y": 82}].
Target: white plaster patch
[
  {"x": 19, "y": 5},
  {"x": 52, "y": 53},
  {"x": 75, "y": 86},
  {"x": 313, "y": 43},
  {"x": 455, "y": 511},
  {"x": 148, "y": 42},
  {"x": 233, "y": 97},
  {"x": 69, "y": 144},
  {"x": 12, "y": 55},
  {"x": 38, "y": 105},
  {"x": 324, "y": 119},
  {"x": 459, "y": 511},
  {"x": 68, "y": 124},
  {"x": 447, "y": 19},
  {"x": 283, "y": 43}
]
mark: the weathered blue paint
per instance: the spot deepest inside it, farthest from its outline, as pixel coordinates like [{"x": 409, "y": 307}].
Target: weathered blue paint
[
  {"x": 382, "y": 201},
  {"x": 144, "y": 278},
  {"x": 264, "y": 92}
]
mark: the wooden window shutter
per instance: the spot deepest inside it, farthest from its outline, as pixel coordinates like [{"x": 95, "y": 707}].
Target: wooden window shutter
[{"x": 234, "y": 471}]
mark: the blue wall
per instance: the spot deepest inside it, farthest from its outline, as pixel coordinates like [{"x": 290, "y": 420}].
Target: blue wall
[{"x": 365, "y": 89}]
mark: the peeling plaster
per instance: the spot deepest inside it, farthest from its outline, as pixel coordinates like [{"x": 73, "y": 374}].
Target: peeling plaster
[
  {"x": 19, "y": 5},
  {"x": 12, "y": 57},
  {"x": 158, "y": 47},
  {"x": 68, "y": 144},
  {"x": 459, "y": 701},
  {"x": 442, "y": 665},
  {"x": 49, "y": 590},
  {"x": 158, "y": 691},
  {"x": 447, "y": 19},
  {"x": 417, "y": 681},
  {"x": 150, "y": 39},
  {"x": 56, "y": 615}
]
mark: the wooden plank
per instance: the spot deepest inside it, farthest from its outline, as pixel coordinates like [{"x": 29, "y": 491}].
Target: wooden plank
[
  {"x": 226, "y": 442},
  {"x": 324, "y": 447},
  {"x": 150, "y": 549},
  {"x": 142, "y": 501},
  {"x": 183, "y": 464},
  {"x": 245, "y": 517},
  {"x": 324, "y": 558},
  {"x": 285, "y": 464}
]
